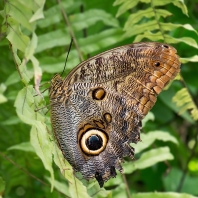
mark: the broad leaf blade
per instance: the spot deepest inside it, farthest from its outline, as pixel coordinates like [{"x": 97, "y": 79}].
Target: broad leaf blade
[{"x": 148, "y": 159}]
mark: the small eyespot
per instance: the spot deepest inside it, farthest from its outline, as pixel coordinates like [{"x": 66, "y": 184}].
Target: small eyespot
[
  {"x": 107, "y": 117},
  {"x": 98, "y": 93},
  {"x": 157, "y": 64},
  {"x": 166, "y": 46},
  {"x": 93, "y": 141}
]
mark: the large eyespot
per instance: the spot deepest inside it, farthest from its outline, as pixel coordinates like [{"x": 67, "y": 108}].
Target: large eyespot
[
  {"x": 98, "y": 93},
  {"x": 93, "y": 141}
]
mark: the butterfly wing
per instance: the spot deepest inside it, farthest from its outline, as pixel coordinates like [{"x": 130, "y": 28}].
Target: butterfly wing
[{"x": 97, "y": 110}]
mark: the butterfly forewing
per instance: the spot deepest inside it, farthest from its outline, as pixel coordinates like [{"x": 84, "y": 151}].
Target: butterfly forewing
[{"x": 97, "y": 110}]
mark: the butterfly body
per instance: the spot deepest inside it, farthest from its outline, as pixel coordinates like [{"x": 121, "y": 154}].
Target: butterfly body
[{"x": 96, "y": 111}]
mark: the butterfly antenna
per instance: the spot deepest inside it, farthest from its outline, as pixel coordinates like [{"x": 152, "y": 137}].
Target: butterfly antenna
[{"x": 67, "y": 55}]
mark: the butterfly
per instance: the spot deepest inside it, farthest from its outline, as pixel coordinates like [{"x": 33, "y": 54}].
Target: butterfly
[{"x": 96, "y": 111}]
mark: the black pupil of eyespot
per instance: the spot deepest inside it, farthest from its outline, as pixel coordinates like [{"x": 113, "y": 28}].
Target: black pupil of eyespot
[
  {"x": 94, "y": 142},
  {"x": 166, "y": 46},
  {"x": 157, "y": 64}
]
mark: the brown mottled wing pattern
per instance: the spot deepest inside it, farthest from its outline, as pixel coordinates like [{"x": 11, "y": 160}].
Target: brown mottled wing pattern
[{"x": 96, "y": 111}]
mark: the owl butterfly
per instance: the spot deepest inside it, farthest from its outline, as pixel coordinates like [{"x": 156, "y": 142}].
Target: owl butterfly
[{"x": 96, "y": 111}]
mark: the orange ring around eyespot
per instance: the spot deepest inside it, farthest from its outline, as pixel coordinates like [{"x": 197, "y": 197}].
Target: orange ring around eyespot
[{"x": 86, "y": 135}]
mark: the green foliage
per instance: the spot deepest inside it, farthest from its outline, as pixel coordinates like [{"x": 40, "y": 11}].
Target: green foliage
[
  {"x": 142, "y": 23},
  {"x": 184, "y": 101},
  {"x": 34, "y": 42}
]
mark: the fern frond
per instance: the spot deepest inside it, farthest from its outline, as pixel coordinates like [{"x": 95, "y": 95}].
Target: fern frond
[
  {"x": 149, "y": 22},
  {"x": 169, "y": 39},
  {"x": 184, "y": 100},
  {"x": 148, "y": 13},
  {"x": 128, "y": 4}
]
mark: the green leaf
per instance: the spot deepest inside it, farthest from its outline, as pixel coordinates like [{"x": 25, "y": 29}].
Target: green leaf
[
  {"x": 95, "y": 191},
  {"x": 189, "y": 59},
  {"x": 37, "y": 69},
  {"x": 101, "y": 40},
  {"x": 127, "y": 4},
  {"x": 120, "y": 191},
  {"x": 163, "y": 13},
  {"x": 148, "y": 139},
  {"x": 148, "y": 13},
  {"x": 53, "y": 14},
  {"x": 52, "y": 39},
  {"x": 39, "y": 12},
  {"x": 171, "y": 26},
  {"x": 114, "y": 181},
  {"x": 24, "y": 146},
  {"x": 12, "y": 79},
  {"x": 166, "y": 98},
  {"x": 118, "y": 2},
  {"x": 17, "y": 38},
  {"x": 148, "y": 159},
  {"x": 39, "y": 139},
  {"x": 21, "y": 13},
  {"x": 21, "y": 66},
  {"x": 91, "y": 17},
  {"x": 162, "y": 195},
  {"x": 60, "y": 186},
  {"x": 168, "y": 39},
  {"x": 76, "y": 188},
  {"x": 189, "y": 41},
  {"x": 88, "y": 45},
  {"x": 149, "y": 116},
  {"x": 56, "y": 64},
  {"x": 151, "y": 36},
  {"x": 102, "y": 193},
  {"x": 29, "y": 54},
  {"x": 137, "y": 16},
  {"x": 30, "y": 50},
  {"x": 31, "y": 5},
  {"x": 140, "y": 28},
  {"x": 39, "y": 136},
  {"x": 179, "y": 3},
  {"x": 185, "y": 102}
]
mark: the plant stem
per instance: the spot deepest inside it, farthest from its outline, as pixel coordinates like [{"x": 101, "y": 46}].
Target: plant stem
[
  {"x": 126, "y": 186},
  {"x": 65, "y": 17}
]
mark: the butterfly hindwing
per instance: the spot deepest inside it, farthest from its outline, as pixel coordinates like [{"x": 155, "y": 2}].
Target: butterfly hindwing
[{"x": 97, "y": 110}]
